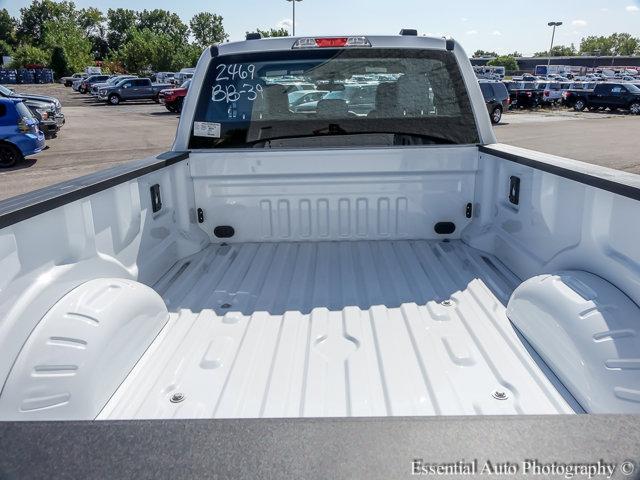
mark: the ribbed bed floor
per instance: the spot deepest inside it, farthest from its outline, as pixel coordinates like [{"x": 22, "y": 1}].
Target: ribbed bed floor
[{"x": 336, "y": 329}]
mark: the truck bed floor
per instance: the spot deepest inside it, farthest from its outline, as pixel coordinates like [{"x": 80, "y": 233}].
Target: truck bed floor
[{"x": 336, "y": 329}]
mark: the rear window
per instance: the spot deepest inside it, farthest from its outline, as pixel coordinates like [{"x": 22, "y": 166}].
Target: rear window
[
  {"x": 500, "y": 90},
  {"x": 487, "y": 91},
  {"x": 371, "y": 97}
]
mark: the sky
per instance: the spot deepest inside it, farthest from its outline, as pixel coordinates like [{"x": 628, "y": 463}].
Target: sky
[{"x": 503, "y": 26}]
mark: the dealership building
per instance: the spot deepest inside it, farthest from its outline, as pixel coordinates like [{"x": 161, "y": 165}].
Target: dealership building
[{"x": 579, "y": 63}]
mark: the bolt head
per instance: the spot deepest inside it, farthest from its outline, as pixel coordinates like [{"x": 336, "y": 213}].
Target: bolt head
[
  {"x": 177, "y": 398},
  {"x": 447, "y": 303},
  {"x": 499, "y": 395}
]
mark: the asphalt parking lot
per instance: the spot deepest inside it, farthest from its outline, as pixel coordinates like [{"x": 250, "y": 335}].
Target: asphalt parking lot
[{"x": 97, "y": 136}]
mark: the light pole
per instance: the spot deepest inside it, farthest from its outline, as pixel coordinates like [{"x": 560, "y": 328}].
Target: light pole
[
  {"x": 553, "y": 37},
  {"x": 294, "y": 14}
]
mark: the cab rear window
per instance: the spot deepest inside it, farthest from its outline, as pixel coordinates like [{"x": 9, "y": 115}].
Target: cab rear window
[{"x": 365, "y": 96}]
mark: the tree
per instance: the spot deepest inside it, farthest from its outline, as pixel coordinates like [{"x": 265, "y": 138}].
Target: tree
[
  {"x": 7, "y": 28},
  {"x": 59, "y": 63},
  {"x": 207, "y": 29},
  {"x": 137, "y": 53},
  {"x": 163, "y": 22},
  {"x": 516, "y": 55},
  {"x": 187, "y": 56},
  {"x": 146, "y": 51},
  {"x": 624, "y": 44},
  {"x": 91, "y": 21},
  {"x": 273, "y": 32},
  {"x": 508, "y": 62},
  {"x": 68, "y": 35},
  {"x": 33, "y": 18},
  {"x": 5, "y": 50},
  {"x": 120, "y": 22},
  {"x": 559, "y": 51},
  {"x": 27, "y": 55},
  {"x": 483, "y": 54},
  {"x": 616, "y": 44}
]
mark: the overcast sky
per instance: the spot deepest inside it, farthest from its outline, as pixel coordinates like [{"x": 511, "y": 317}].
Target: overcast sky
[{"x": 500, "y": 25}]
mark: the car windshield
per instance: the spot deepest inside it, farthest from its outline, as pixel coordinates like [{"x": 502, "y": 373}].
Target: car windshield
[
  {"x": 411, "y": 97},
  {"x": 632, "y": 88}
]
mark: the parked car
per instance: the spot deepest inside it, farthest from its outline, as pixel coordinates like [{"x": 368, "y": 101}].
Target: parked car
[
  {"x": 95, "y": 88},
  {"x": 304, "y": 96},
  {"x": 182, "y": 76},
  {"x": 85, "y": 84},
  {"x": 131, "y": 89},
  {"x": 68, "y": 81},
  {"x": 19, "y": 132},
  {"x": 173, "y": 98},
  {"x": 549, "y": 92},
  {"x": 359, "y": 99},
  {"x": 164, "y": 77},
  {"x": 614, "y": 96},
  {"x": 524, "y": 94},
  {"x": 47, "y": 110},
  {"x": 497, "y": 99}
]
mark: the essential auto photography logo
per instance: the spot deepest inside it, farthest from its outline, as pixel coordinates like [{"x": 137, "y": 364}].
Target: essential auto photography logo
[{"x": 528, "y": 467}]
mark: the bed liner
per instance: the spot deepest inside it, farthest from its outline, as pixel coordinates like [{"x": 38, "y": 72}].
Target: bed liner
[{"x": 336, "y": 329}]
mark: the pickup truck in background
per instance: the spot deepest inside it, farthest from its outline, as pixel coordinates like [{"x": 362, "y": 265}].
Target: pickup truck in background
[
  {"x": 282, "y": 283},
  {"x": 95, "y": 88},
  {"x": 614, "y": 96},
  {"x": 173, "y": 98},
  {"x": 131, "y": 89},
  {"x": 68, "y": 81}
]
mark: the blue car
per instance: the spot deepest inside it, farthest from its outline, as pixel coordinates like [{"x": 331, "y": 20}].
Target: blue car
[{"x": 19, "y": 132}]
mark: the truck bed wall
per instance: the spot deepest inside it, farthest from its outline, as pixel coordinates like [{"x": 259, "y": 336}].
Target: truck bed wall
[
  {"x": 571, "y": 216},
  {"x": 335, "y": 194},
  {"x": 111, "y": 234}
]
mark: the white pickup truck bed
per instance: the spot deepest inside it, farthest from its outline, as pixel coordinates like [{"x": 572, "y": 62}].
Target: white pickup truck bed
[{"x": 336, "y": 329}]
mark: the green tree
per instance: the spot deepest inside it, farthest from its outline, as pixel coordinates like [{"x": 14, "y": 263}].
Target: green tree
[
  {"x": 5, "y": 50},
  {"x": 91, "y": 20},
  {"x": 68, "y": 35},
  {"x": 163, "y": 22},
  {"x": 508, "y": 62},
  {"x": 616, "y": 44},
  {"x": 59, "y": 63},
  {"x": 207, "y": 29},
  {"x": 150, "y": 51},
  {"x": 34, "y": 17},
  {"x": 484, "y": 54},
  {"x": 516, "y": 54},
  {"x": 624, "y": 44},
  {"x": 273, "y": 32},
  {"x": 559, "y": 51},
  {"x": 186, "y": 56},
  {"x": 7, "y": 28},
  {"x": 27, "y": 55},
  {"x": 120, "y": 22},
  {"x": 138, "y": 52}
]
